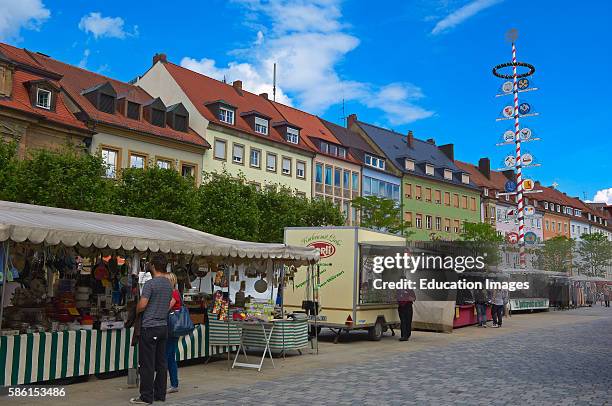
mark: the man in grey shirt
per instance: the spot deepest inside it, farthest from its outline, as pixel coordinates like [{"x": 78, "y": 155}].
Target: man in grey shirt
[{"x": 154, "y": 304}]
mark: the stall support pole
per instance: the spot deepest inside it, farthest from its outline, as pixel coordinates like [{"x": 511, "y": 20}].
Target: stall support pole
[{"x": 4, "y": 280}]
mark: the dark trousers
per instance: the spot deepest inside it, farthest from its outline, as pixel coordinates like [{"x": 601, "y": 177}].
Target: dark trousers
[
  {"x": 152, "y": 363},
  {"x": 481, "y": 312},
  {"x": 608, "y": 303},
  {"x": 497, "y": 312},
  {"x": 405, "y": 314}
]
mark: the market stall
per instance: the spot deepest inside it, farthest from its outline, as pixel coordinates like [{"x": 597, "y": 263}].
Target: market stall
[{"x": 68, "y": 278}]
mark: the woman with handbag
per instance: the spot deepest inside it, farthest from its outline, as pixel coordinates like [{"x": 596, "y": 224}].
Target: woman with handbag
[{"x": 172, "y": 343}]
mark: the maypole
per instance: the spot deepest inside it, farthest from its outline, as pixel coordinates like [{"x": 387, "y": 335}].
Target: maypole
[{"x": 515, "y": 112}]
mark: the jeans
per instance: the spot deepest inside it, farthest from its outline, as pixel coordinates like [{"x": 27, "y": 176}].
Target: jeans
[
  {"x": 481, "y": 312},
  {"x": 152, "y": 363},
  {"x": 171, "y": 348},
  {"x": 405, "y": 314},
  {"x": 498, "y": 313}
]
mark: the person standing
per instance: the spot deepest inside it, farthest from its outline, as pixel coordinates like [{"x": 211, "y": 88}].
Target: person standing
[
  {"x": 607, "y": 295},
  {"x": 499, "y": 299},
  {"x": 153, "y": 304},
  {"x": 172, "y": 343},
  {"x": 405, "y": 299},
  {"x": 481, "y": 299}
]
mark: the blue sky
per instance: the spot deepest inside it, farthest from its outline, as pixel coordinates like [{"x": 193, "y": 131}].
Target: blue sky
[{"x": 423, "y": 65}]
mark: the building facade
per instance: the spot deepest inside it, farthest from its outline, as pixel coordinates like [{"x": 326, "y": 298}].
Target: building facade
[{"x": 247, "y": 134}]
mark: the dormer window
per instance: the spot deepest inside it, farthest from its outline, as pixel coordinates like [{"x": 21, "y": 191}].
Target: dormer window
[
  {"x": 103, "y": 96},
  {"x": 342, "y": 152},
  {"x": 429, "y": 169},
  {"x": 158, "y": 117},
  {"x": 409, "y": 164},
  {"x": 293, "y": 135},
  {"x": 226, "y": 115},
  {"x": 374, "y": 162},
  {"x": 448, "y": 174},
  {"x": 485, "y": 192},
  {"x": 465, "y": 178},
  {"x": 155, "y": 112},
  {"x": 177, "y": 117},
  {"x": 43, "y": 99},
  {"x": 324, "y": 147},
  {"x": 133, "y": 110},
  {"x": 261, "y": 125}
]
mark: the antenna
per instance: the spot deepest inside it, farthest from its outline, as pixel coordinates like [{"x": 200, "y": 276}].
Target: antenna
[{"x": 274, "y": 84}]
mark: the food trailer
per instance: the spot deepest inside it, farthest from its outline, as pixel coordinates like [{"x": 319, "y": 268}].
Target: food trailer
[{"x": 338, "y": 291}]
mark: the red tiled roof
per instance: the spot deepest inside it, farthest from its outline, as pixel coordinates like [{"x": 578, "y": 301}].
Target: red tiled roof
[
  {"x": 312, "y": 127},
  {"x": 202, "y": 90},
  {"x": 476, "y": 176},
  {"x": 74, "y": 80}
]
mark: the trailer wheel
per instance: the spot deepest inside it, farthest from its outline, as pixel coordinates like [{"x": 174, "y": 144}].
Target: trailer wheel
[{"x": 375, "y": 333}]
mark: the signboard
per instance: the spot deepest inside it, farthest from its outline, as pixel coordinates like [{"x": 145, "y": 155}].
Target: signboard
[
  {"x": 528, "y": 304},
  {"x": 528, "y": 184},
  {"x": 510, "y": 186},
  {"x": 530, "y": 237},
  {"x": 529, "y": 210},
  {"x": 523, "y": 83},
  {"x": 524, "y": 134},
  {"x": 527, "y": 159},
  {"x": 509, "y": 161},
  {"x": 508, "y": 111},
  {"x": 512, "y": 238},
  {"x": 524, "y": 108},
  {"x": 508, "y": 86},
  {"x": 509, "y": 136},
  {"x": 325, "y": 248}
]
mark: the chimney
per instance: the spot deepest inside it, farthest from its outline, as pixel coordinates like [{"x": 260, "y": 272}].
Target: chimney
[
  {"x": 537, "y": 183},
  {"x": 350, "y": 120},
  {"x": 159, "y": 58},
  {"x": 448, "y": 150},
  {"x": 431, "y": 141},
  {"x": 484, "y": 166},
  {"x": 237, "y": 84},
  {"x": 509, "y": 174},
  {"x": 410, "y": 139},
  {"x": 264, "y": 95}
]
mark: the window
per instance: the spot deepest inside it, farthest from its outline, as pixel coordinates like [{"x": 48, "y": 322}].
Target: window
[
  {"x": 455, "y": 200},
  {"x": 438, "y": 196},
  {"x": 456, "y": 226},
  {"x": 558, "y": 208},
  {"x": 333, "y": 149},
  {"x": 428, "y": 195},
  {"x": 547, "y": 225},
  {"x": 43, "y": 99},
  {"x": 180, "y": 122},
  {"x": 342, "y": 152},
  {"x": 255, "y": 158},
  {"x": 428, "y": 222},
  {"x": 355, "y": 176},
  {"x": 293, "y": 135},
  {"x": 220, "y": 149},
  {"x": 346, "y": 179},
  {"x": 300, "y": 169},
  {"x": 546, "y": 205},
  {"x": 429, "y": 169},
  {"x": 409, "y": 164},
  {"x": 366, "y": 188},
  {"x": 465, "y": 178},
  {"x": 261, "y": 125},
  {"x": 337, "y": 175},
  {"x": 438, "y": 223},
  {"x": 473, "y": 203},
  {"x": 573, "y": 229},
  {"x": 238, "y": 154},
  {"x": 164, "y": 163},
  {"x": 138, "y": 161},
  {"x": 319, "y": 173},
  {"x": 447, "y": 225},
  {"x": 107, "y": 103},
  {"x": 408, "y": 190},
  {"x": 226, "y": 115},
  {"x": 110, "y": 157},
  {"x": 158, "y": 117},
  {"x": 408, "y": 218},
  {"x": 448, "y": 174},
  {"x": 419, "y": 221},
  {"x": 418, "y": 190},
  {"x": 286, "y": 166},
  {"x": 374, "y": 162},
  {"x": 328, "y": 175},
  {"x": 271, "y": 162},
  {"x": 133, "y": 110},
  {"x": 464, "y": 202},
  {"x": 188, "y": 170},
  {"x": 577, "y": 212},
  {"x": 485, "y": 192},
  {"x": 447, "y": 198}
]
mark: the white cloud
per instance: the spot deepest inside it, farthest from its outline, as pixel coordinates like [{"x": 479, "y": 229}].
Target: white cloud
[
  {"x": 100, "y": 27},
  {"x": 307, "y": 40},
  {"x": 603, "y": 196},
  {"x": 18, "y": 14},
  {"x": 83, "y": 61},
  {"x": 460, "y": 15}
]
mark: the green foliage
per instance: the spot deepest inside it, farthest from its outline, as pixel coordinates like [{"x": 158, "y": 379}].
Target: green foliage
[
  {"x": 379, "y": 213},
  {"x": 321, "y": 212},
  {"x": 8, "y": 169},
  {"x": 556, "y": 254},
  {"x": 482, "y": 240},
  {"x": 594, "y": 254},
  {"x": 155, "y": 193}
]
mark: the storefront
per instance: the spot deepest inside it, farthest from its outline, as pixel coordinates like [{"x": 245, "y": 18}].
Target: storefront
[{"x": 70, "y": 277}]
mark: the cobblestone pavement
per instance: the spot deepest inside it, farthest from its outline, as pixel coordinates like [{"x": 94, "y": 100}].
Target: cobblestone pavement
[{"x": 566, "y": 365}]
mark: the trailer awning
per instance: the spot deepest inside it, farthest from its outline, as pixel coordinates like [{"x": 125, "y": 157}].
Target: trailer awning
[{"x": 40, "y": 224}]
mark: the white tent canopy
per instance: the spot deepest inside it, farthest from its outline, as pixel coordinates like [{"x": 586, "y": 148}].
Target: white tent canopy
[{"x": 40, "y": 224}]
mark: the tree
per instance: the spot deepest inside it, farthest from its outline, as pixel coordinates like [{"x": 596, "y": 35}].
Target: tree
[
  {"x": 8, "y": 170},
  {"x": 482, "y": 239},
  {"x": 320, "y": 212},
  {"x": 556, "y": 254},
  {"x": 594, "y": 254},
  {"x": 379, "y": 213},
  {"x": 155, "y": 193},
  {"x": 229, "y": 207}
]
